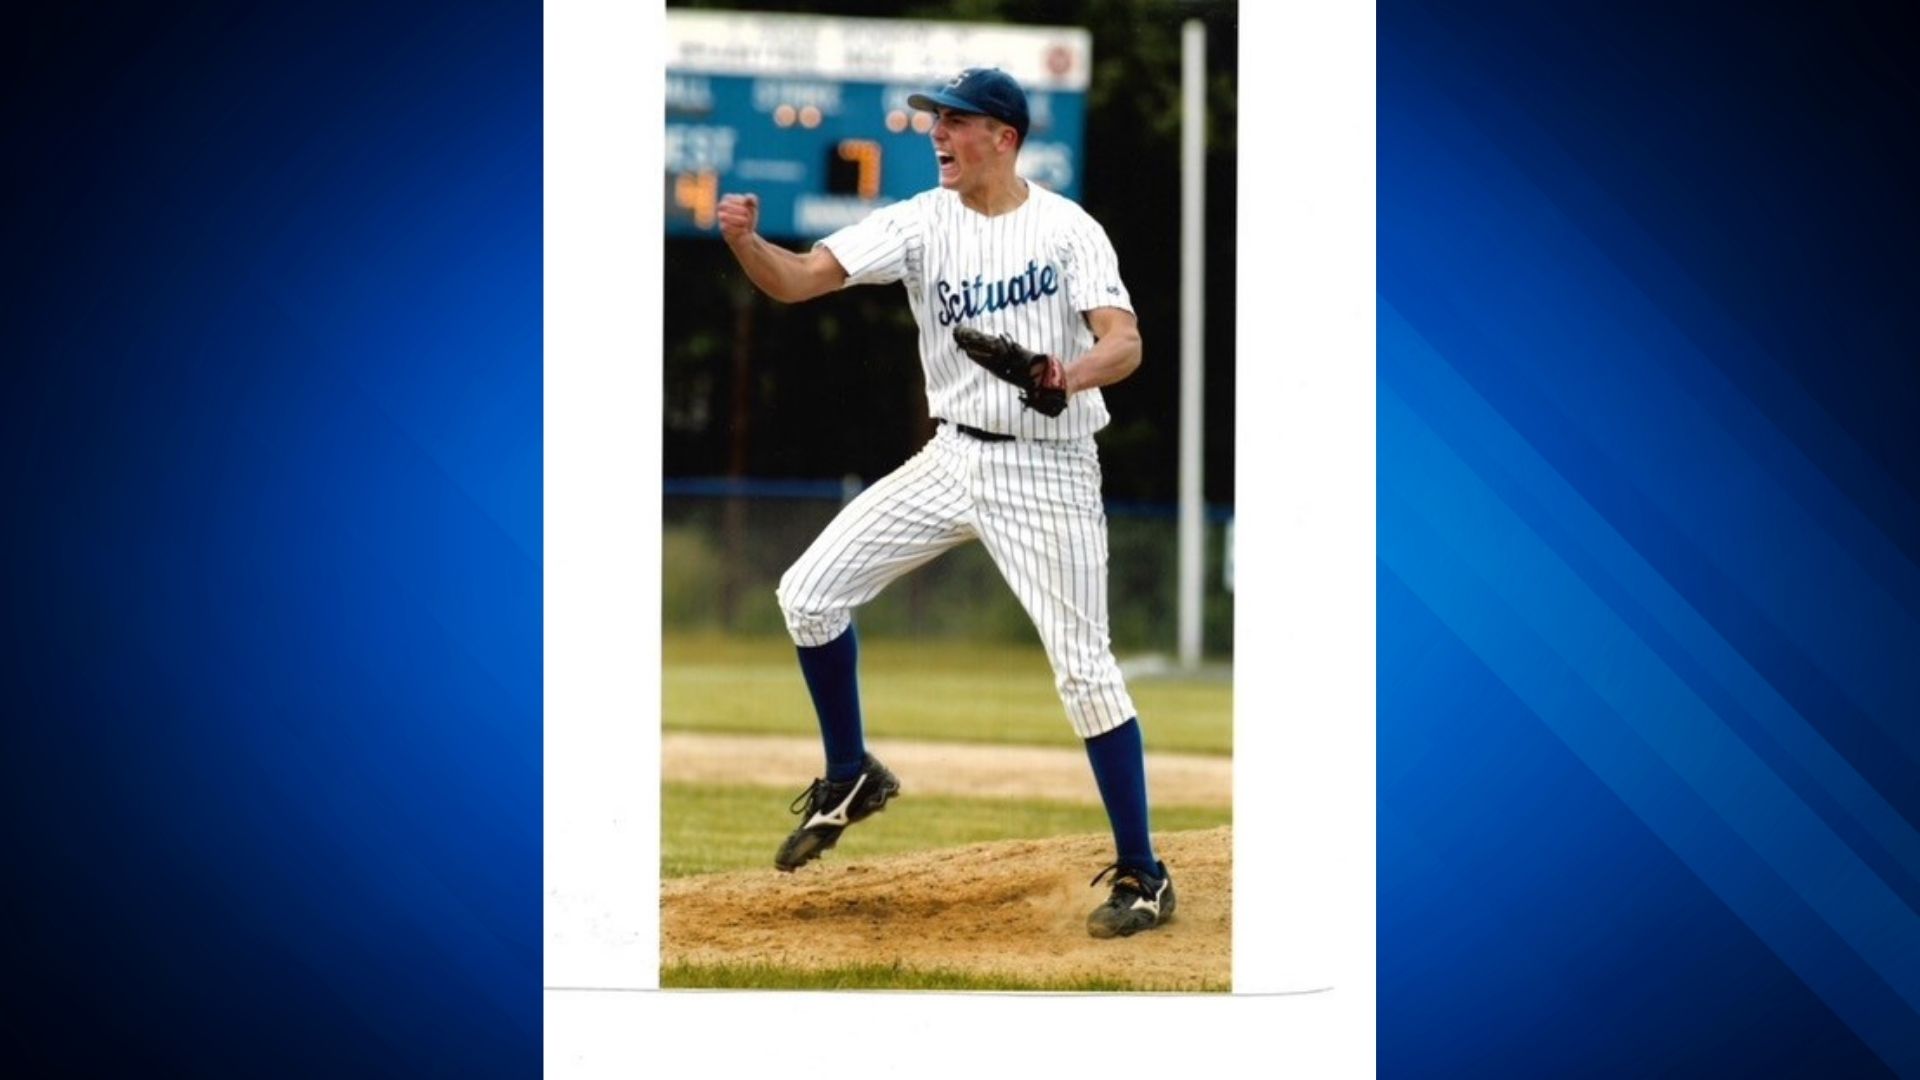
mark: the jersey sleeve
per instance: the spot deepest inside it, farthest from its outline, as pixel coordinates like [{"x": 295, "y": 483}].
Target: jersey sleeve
[
  {"x": 879, "y": 249},
  {"x": 1093, "y": 270}
]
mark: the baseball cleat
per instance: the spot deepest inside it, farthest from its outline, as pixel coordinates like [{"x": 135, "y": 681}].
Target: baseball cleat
[
  {"x": 1139, "y": 901},
  {"x": 831, "y": 807}
]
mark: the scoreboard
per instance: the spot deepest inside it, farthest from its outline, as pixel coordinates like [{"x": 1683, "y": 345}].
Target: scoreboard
[{"x": 810, "y": 112}]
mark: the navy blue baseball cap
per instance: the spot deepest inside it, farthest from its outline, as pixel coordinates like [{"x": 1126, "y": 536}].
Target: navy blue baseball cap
[{"x": 987, "y": 91}]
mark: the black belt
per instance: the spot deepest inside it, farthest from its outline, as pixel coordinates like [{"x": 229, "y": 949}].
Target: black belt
[{"x": 974, "y": 432}]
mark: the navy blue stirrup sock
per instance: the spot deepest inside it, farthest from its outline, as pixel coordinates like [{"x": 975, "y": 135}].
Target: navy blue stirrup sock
[
  {"x": 1120, "y": 769},
  {"x": 832, "y": 679}
]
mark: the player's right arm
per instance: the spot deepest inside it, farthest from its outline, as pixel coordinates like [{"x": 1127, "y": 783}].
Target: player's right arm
[{"x": 787, "y": 276}]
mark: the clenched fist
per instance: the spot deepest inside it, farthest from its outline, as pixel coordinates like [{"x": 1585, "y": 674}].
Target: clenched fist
[{"x": 739, "y": 217}]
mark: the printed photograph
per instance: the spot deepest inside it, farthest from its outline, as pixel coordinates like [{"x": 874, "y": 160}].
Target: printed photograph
[{"x": 947, "y": 528}]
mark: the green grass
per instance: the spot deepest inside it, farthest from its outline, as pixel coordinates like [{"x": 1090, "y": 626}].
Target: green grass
[
  {"x": 869, "y": 977},
  {"x": 912, "y": 689},
  {"x": 706, "y": 829}
]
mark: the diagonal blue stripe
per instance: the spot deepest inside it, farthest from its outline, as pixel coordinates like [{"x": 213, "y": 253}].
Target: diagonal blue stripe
[
  {"x": 1423, "y": 562},
  {"x": 1630, "y": 381},
  {"x": 1422, "y": 377},
  {"x": 1430, "y": 489},
  {"x": 1616, "y": 267}
]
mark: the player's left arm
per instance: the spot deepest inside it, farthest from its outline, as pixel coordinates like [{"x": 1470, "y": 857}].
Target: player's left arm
[{"x": 1115, "y": 353}]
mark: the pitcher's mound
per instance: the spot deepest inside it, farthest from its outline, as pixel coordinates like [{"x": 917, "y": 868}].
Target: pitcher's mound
[{"x": 1015, "y": 909}]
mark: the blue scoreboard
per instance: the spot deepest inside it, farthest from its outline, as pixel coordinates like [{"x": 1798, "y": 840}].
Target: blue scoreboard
[{"x": 810, "y": 112}]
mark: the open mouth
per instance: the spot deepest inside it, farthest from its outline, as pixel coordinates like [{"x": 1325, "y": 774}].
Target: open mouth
[{"x": 945, "y": 159}]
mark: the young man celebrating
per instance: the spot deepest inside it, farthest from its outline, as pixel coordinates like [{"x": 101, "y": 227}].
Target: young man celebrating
[{"x": 985, "y": 251}]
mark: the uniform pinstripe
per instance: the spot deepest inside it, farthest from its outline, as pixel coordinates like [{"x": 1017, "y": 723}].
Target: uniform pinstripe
[{"x": 1034, "y": 502}]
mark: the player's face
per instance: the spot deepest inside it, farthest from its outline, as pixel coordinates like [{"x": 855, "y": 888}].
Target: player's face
[{"x": 965, "y": 145}]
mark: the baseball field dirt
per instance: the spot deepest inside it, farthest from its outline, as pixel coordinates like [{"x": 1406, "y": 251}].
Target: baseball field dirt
[
  {"x": 968, "y": 770},
  {"x": 1015, "y": 910}
]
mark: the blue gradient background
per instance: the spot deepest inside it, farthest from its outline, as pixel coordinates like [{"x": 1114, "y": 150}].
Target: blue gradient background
[
  {"x": 272, "y": 762},
  {"x": 1649, "y": 600},
  {"x": 1649, "y": 522}
]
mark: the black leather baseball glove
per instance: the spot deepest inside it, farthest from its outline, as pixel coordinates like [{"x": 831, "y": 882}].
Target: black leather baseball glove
[{"x": 1041, "y": 378}]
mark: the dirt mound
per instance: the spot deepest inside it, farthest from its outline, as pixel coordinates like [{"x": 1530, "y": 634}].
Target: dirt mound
[{"x": 1016, "y": 908}]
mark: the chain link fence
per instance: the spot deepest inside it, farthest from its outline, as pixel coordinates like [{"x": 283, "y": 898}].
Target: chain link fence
[{"x": 725, "y": 544}]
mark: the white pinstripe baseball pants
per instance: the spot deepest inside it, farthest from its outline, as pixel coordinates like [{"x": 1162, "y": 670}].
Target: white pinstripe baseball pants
[{"x": 1036, "y": 507}]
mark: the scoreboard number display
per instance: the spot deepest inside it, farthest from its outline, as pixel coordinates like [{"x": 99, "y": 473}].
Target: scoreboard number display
[{"x": 810, "y": 112}]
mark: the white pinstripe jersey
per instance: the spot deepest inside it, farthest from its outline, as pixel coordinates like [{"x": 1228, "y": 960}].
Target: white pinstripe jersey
[{"x": 1029, "y": 274}]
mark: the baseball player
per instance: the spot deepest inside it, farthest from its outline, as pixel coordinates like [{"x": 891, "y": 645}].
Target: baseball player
[{"x": 1023, "y": 317}]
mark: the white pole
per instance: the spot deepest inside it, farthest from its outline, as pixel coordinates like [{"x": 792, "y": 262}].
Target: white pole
[{"x": 1193, "y": 146}]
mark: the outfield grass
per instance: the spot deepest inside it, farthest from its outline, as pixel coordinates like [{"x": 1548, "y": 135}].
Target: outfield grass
[
  {"x": 869, "y": 977},
  {"x": 934, "y": 690},
  {"x": 705, "y": 829}
]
